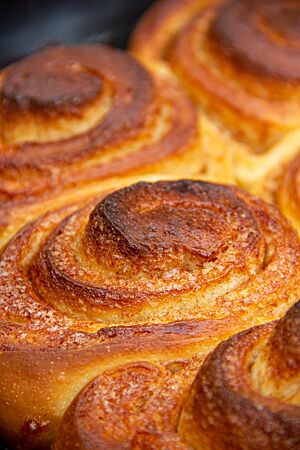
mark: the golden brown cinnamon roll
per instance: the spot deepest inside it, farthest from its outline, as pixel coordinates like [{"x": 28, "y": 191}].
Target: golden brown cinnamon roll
[
  {"x": 246, "y": 396},
  {"x": 247, "y": 393},
  {"x": 156, "y": 272},
  {"x": 241, "y": 60},
  {"x": 73, "y": 116}
]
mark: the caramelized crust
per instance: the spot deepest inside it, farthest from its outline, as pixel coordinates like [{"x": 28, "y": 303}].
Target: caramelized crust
[
  {"x": 73, "y": 116},
  {"x": 136, "y": 406},
  {"x": 245, "y": 396},
  {"x": 240, "y": 59},
  {"x": 154, "y": 272}
]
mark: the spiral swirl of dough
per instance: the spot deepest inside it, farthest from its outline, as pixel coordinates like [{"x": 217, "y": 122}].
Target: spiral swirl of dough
[
  {"x": 241, "y": 60},
  {"x": 245, "y": 396},
  {"x": 154, "y": 272},
  {"x": 73, "y": 117}
]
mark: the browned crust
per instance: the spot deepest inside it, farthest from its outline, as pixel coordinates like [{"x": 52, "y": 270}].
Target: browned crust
[
  {"x": 138, "y": 406},
  {"x": 221, "y": 407},
  {"x": 146, "y": 122},
  {"x": 242, "y": 28},
  {"x": 227, "y": 410},
  {"x": 239, "y": 59},
  {"x": 58, "y": 333}
]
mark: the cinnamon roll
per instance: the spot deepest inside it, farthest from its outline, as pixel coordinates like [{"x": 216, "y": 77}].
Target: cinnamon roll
[
  {"x": 153, "y": 272},
  {"x": 247, "y": 393},
  {"x": 75, "y": 116},
  {"x": 246, "y": 396},
  {"x": 282, "y": 189},
  {"x": 240, "y": 59}
]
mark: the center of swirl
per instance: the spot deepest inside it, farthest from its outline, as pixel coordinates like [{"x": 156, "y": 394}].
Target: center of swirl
[
  {"x": 160, "y": 227},
  {"x": 154, "y": 221},
  {"x": 50, "y": 86},
  {"x": 53, "y": 95}
]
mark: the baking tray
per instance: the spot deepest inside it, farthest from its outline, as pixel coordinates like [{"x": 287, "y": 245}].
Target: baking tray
[{"x": 29, "y": 25}]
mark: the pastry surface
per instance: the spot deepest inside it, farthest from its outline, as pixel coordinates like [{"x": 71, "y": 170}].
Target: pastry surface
[
  {"x": 73, "y": 118},
  {"x": 245, "y": 396},
  {"x": 240, "y": 59},
  {"x": 155, "y": 272}
]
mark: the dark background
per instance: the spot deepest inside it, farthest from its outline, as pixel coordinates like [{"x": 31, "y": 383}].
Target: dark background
[{"x": 28, "y": 25}]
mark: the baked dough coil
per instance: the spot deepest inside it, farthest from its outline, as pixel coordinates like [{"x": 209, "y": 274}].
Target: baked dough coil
[
  {"x": 247, "y": 393},
  {"x": 245, "y": 396},
  {"x": 240, "y": 59},
  {"x": 73, "y": 118},
  {"x": 154, "y": 272}
]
